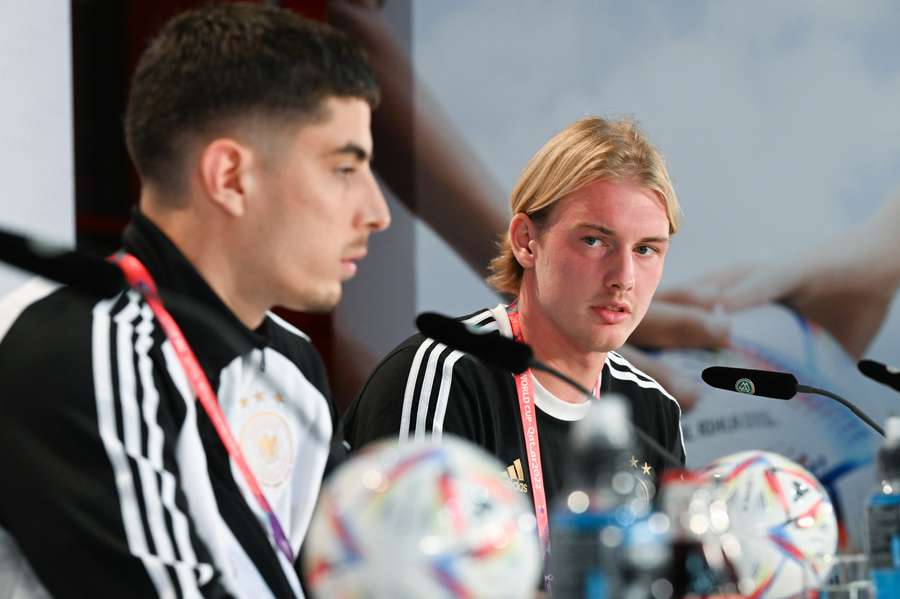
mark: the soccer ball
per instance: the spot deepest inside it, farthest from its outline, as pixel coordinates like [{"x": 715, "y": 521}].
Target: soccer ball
[
  {"x": 422, "y": 520},
  {"x": 783, "y": 520}
]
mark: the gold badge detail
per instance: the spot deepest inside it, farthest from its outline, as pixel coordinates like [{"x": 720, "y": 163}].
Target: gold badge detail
[{"x": 267, "y": 444}]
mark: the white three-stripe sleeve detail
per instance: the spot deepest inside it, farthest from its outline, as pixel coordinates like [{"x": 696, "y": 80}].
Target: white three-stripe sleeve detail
[
  {"x": 491, "y": 326},
  {"x": 158, "y": 500},
  {"x": 651, "y": 384},
  {"x": 478, "y": 317},
  {"x": 411, "y": 388},
  {"x": 631, "y": 376},
  {"x": 437, "y": 427},
  {"x": 147, "y": 465},
  {"x": 425, "y": 393},
  {"x": 106, "y": 421}
]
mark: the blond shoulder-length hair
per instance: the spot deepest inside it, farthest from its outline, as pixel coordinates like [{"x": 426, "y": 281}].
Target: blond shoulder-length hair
[{"x": 588, "y": 150}]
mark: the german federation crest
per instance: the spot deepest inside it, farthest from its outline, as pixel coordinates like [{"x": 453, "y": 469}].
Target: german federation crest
[{"x": 745, "y": 385}]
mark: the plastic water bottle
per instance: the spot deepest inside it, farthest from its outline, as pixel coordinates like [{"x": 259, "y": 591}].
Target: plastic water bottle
[
  {"x": 591, "y": 515},
  {"x": 883, "y": 517},
  {"x": 700, "y": 563}
]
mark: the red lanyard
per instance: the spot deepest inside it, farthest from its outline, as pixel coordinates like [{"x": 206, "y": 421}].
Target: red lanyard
[
  {"x": 530, "y": 432},
  {"x": 139, "y": 279}
]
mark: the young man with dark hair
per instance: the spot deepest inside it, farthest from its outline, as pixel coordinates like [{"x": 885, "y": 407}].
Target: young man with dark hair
[{"x": 249, "y": 127}]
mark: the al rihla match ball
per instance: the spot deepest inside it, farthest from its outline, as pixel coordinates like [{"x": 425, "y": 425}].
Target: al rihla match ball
[
  {"x": 783, "y": 519},
  {"x": 422, "y": 520}
]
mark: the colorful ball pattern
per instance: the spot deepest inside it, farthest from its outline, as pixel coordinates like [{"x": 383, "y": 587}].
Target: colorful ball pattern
[
  {"x": 422, "y": 520},
  {"x": 783, "y": 520}
]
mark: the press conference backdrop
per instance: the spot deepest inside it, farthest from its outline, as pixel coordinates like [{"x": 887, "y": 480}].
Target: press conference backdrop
[
  {"x": 779, "y": 122},
  {"x": 36, "y": 147}
]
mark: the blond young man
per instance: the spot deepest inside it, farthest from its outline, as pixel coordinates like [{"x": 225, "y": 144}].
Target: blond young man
[{"x": 593, "y": 212}]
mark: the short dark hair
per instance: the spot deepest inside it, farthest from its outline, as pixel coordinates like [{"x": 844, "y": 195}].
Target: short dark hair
[{"x": 214, "y": 65}]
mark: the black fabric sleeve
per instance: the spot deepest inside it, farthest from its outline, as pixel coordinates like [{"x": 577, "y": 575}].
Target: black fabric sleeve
[
  {"x": 677, "y": 448},
  {"x": 90, "y": 524},
  {"x": 418, "y": 390}
]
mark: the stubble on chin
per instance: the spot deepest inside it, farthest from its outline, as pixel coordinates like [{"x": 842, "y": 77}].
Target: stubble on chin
[
  {"x": 325, "y": 300},
  {"x": 318, "y": 300}
]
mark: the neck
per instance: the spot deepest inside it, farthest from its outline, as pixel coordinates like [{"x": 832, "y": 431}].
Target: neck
[
  {"x": 201, "y": 239},
  {"x": 552, "y": 347}
]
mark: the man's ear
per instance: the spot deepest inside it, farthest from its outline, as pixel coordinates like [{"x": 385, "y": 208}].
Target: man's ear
[
  {"x": 224, "y": 171},
  {"x": 522, "y": 238}
]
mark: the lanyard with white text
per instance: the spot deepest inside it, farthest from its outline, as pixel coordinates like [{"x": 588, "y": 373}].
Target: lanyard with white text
[
  {"x": 530, "y": 432},
  {"x": 138, "y": 277}
]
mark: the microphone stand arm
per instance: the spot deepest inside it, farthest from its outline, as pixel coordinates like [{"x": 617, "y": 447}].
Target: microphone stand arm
[
  {"x": 535, "y": 364},
  {"x": 859, "y": 413}
]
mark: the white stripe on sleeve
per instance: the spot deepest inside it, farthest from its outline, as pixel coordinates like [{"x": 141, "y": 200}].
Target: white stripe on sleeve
[
  {"x": 437, "y": 427},
  {"x": 425, "y": 393},
  {"x": 157, "y": 501},
  {"x": 411, "y": 388},
  {"x": 106, "y": 421}
]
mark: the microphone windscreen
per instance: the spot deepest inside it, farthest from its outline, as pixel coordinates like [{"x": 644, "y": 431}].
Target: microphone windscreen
[
  {"x": 79, "y": 270},
  {"x": 775, "y": 385},
  {"x": 489, "y": 347},
  {"x": 880, "y": 372},
  {"x": 96, "y": 276}
]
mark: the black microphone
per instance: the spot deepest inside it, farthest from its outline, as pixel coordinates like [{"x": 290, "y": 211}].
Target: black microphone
[
  {"x": 54, "y": 262},
  {"x": 490, "y": 347},
  {"x": 882, "y": 373},
  {"x": 775, "y": 385},
  {"x": 507, "y": 354},
  {"x": 95, "y": 276}
]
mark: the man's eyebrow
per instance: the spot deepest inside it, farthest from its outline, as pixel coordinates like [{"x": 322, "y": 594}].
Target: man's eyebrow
[
  {"x": 354, "y": 149},
  {"x": 607, "y": 231}
]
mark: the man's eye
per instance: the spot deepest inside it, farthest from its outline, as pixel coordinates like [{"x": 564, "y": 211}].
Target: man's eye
[
  {"x": 646, "y": 250},
  {"x": 591, "y": 241},
  {"x": 345, "y": 171}
]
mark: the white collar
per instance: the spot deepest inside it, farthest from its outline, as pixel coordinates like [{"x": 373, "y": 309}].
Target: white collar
[{"x": 543, "y": 399}]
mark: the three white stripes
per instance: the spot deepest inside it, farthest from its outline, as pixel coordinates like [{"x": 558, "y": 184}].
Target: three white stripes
[
  {"x": 428, "y": 380},
  {"x": 436, "y": 349},
  {"x": 648, "y": 384},
  {"x": 157, "y": 501}
]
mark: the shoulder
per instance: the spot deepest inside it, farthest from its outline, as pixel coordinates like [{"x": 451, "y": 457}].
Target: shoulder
[
  {"x": 283, "y": 325},
  {"x": 41, "y": 322},
  {"x": 485, "y": 319},
  {"x": 13, "y": 304},
  {"x": 422, "y": 384},
  {"x": 628, "y": 379},
  {"x": 425, "y": 358},
  {"x": 296, "y": 345},
  {"x": 53, "y": 352},
  {"x": 653, "y": 408}
]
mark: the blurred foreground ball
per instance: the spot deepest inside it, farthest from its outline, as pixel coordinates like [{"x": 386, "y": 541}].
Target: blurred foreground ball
[
  {"x": 422, "y": 520},
  {"x": 782, "y": 518}
]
